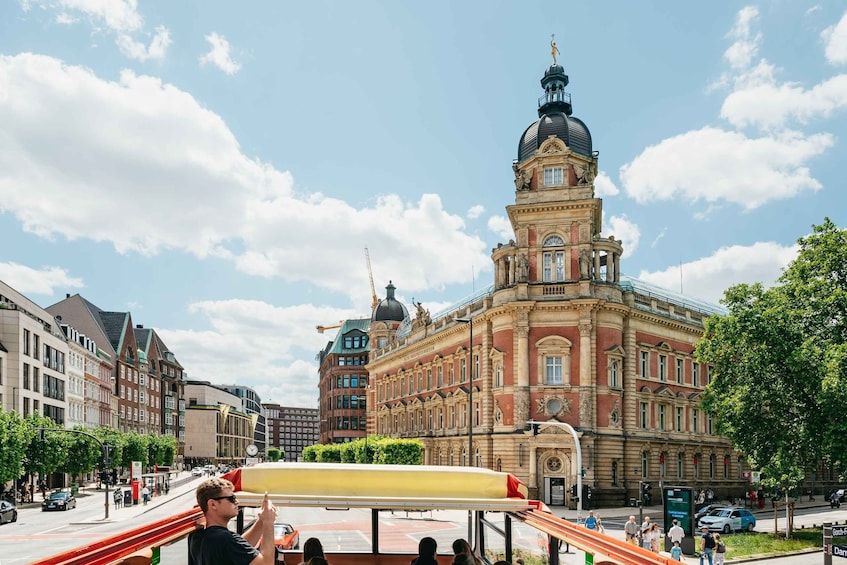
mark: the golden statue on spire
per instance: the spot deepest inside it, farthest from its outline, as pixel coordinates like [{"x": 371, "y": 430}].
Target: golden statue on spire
[{"x": 553, "y": 49}]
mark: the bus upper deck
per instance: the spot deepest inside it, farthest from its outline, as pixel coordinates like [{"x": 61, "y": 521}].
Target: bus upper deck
[{"x": 495, "y": 504}]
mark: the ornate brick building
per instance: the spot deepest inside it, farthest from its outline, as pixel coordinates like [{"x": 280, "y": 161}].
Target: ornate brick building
[{"x": 559, "y": 336}]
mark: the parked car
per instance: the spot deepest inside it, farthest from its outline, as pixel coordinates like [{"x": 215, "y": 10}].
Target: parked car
[
  {"x": 286, "y": 537},
  {"x": 704, "y": 510},
  {"x": 8, "y": 512},
  {"x": 196, "y": 471},
  {"x": 727, "y": 520},
  {"x": 59, "y": 501}
]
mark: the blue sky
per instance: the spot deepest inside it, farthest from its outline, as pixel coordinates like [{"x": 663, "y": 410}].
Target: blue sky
[{"x": 218, "y": 168}]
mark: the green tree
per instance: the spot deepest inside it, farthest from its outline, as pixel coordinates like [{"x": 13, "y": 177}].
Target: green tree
[
  {"x": 14, "y": 439},
  {"x": 134, "y": 449},
  {"x": 275, "y": 454},
  {"x": 779, "y": 364},
  {"x": 84, "y": 453},
  {"x": 47, "y": 455}
]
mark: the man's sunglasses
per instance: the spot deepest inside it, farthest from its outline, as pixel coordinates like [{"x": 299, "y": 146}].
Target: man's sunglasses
[{"x": 230, "y": 497}]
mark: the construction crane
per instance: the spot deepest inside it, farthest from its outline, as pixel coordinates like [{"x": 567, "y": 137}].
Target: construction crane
[
  {"x": 371, "y": 277},
  {"x": 321, "y": 329}
]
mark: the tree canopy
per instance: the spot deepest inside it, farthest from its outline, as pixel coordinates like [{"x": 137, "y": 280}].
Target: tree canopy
[{"x": 778, "y": 360}]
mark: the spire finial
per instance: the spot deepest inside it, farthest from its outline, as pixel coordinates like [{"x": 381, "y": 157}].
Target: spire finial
[{"x": 553, "y": 49}]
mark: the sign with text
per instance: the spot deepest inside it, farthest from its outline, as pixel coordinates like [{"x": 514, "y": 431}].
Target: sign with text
[
  {"x": 839, "y": 531},
  {"x": 136, "y": 470},
  {"x": 679, "y": 505},
  {"x": 839, "y": 550}
]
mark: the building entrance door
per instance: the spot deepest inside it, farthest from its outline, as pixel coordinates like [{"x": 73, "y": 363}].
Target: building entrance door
[{"x": 554, "y": 491}]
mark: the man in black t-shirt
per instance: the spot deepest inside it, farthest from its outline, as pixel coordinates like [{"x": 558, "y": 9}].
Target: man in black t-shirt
[
  {"x": 707, "y": 546},
  {"x": 216, "y": 544}
]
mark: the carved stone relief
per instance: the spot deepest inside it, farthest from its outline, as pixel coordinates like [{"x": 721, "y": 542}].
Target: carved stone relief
[{"x": 553, "y": 405}]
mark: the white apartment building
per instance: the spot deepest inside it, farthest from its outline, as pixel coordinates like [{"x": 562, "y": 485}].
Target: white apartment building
[{"x": 34, "y": 377}]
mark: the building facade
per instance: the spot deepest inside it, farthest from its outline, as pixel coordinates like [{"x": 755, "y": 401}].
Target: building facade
[
  {"x": 562, "y": 337},
  {"x": 251, "y": 403},
  {"x": 217, "y": 431},
  {"x": 168, "y": 377},
  {"x": 343, "y": 382},
  {"x": 291, "y": 429},
  {"x": 34, "y": 372}
]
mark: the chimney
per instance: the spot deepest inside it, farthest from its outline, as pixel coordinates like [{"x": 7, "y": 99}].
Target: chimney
[
  {"x": 139, "y": 326},
  {"x": 67, "y": 295}
]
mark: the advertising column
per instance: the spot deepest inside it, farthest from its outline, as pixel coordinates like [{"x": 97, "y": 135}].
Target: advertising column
[{"x": 135, "y": 480}]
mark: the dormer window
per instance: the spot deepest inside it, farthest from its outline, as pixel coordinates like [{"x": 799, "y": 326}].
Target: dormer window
[{"x": 553, "y": 176}]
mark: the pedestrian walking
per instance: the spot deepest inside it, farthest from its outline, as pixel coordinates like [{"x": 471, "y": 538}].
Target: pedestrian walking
[
  {"x": 145, "y": 494},
  {"x": 720, "y": 550},
  {"x": 631, "y": 531}
]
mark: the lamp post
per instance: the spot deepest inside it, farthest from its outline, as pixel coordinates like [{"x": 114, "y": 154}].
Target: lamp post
[{"x": 469, "y": 322}]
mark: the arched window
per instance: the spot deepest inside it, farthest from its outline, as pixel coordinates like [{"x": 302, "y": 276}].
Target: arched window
[
  {"x": 645, "y": 465},
  {"x": 553, "y": 260},
  {"x": 712, "y": 462},
  {"x": 614, "y": 473},
  {"x": 680, "y": 465}
]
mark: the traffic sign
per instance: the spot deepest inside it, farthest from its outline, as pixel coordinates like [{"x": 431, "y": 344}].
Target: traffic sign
[
  {"x": 839, "y": 531},
  {"x": 839, "y": 550}
]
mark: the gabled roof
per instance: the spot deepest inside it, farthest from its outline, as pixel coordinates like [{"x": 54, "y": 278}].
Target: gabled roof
[
  {"x": 115, "y": 324},
  {"x": 143, "y": 339},
  {"x": 164, "y": 351}
]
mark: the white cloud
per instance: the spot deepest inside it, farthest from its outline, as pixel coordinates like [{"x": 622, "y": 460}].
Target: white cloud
[
  {"x": 709, "y": 277},
  {"x": 770, "y": 105},
  {"x": 475, "y": 211},
  {"x": 714, "y": 165},
  {"x": 66, "y": 19},
  {"x": 27, "y": 280},
  {"x": 117, "y": 15},
  {"x": 219, "y": 54},
  {"x": 625, "y": 231},
  {"x": 835, "y": 38},
  {"x": 254, "y": 341},
  {"x": 92, "y": 149},
  {"x": 604, "y": 186},
  {"x": 746, "y": 46},
  {"x": 502, "y": 227},
  {"x": 138, "y": 51}
]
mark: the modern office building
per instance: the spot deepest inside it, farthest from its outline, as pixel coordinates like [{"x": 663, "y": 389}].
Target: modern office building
[
  {"x": 217, "y": 430},
  {"x": 251, "y": 403},
  {"x": 290, "y": 429},
  {"x": 560, "y": 336}
]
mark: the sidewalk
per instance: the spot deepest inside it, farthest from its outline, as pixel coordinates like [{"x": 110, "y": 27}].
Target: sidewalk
[{"x": 184, "y": 484}]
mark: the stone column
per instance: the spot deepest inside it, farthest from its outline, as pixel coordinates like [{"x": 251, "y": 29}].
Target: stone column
[
  {"x": 586, "y": 386},
  {"x": 486, "y": 378},
  {"x": 596, "y": 274},
  {"x": 617, "y": 268},
  {"x": 522, "y": 408},
  {"x": 533, "y": 467},
  {"x": 512, "y": 260}
]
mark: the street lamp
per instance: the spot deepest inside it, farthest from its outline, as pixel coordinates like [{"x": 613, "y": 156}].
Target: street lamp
[{"x": 469, "y": 322}]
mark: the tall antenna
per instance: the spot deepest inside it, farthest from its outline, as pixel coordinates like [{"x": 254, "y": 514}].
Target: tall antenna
[
  {"x": 473, "y": 279},
  {"x": 680, "y": 275}
]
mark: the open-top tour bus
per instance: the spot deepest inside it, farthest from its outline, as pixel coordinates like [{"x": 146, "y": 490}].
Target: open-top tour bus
[{"x": 495, "y": 503}]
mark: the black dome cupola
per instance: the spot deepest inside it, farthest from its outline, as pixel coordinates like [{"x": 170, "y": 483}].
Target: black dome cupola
[
  {"x": 555, "y": 99},
  {"x": 554, "y": 116}
]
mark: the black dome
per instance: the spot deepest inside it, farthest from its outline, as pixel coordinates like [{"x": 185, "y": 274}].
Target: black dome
[
  {"x": 571, "y": 130},
  {"x": 389, "y": 308}
]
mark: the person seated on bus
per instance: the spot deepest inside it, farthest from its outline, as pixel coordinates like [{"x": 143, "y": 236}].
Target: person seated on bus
[
  {"x": 318, "y": 561},
  {"x": 427, "y": 549},
  {"x": 461, "y": 545},
  {"x": 312, "y": 548},
  {"x": 463, "y": 559}
]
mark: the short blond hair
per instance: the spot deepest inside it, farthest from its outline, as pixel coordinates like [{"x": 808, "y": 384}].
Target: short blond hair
[{"x": 209, "y": 489}]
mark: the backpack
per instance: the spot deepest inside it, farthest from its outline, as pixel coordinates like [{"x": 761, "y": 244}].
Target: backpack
[
  {"x": 710, "y": 541},
  {"x": 721, "y": 547}
]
